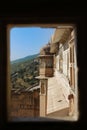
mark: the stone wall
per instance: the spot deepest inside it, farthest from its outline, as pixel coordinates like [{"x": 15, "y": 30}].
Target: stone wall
[{"x": 25, "y": 104}]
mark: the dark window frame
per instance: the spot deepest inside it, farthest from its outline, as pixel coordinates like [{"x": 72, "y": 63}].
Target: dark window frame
[{"x": 48, "y": 16}]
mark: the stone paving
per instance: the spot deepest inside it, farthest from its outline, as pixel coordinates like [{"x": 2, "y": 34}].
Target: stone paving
[{"x": 58, "y": 91}]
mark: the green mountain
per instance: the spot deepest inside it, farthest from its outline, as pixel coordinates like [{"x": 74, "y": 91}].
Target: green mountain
[
  {"x": 30, "y": 57},
  {"x": 24, "y": 70}
]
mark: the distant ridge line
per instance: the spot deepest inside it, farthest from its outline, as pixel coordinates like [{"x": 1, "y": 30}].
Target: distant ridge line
[{"x": 25, "y": 58}]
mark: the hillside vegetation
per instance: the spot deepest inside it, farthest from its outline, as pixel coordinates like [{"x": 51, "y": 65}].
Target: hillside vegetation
[{"x": 24, "y": 71}]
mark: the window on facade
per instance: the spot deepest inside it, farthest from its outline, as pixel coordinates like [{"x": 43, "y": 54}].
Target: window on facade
[
  {"x": 49, "y": 63},
  {"x": 66, "y": 46},
  {"x": 73, "y": 53},
  {"x": 70, "y": 54},
  {"x": 42, "y": 63}
]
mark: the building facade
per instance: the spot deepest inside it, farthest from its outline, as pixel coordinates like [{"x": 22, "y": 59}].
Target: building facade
[{"x": 62, "y": 59}]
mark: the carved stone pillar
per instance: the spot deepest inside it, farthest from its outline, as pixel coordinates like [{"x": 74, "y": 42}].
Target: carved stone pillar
[{"x": 43, "y": 97}]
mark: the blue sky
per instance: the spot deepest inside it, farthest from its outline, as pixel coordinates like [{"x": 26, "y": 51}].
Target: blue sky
[{"x": 26, "y": 41}]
